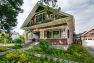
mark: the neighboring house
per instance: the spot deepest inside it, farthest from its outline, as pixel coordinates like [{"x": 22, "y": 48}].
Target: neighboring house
[
  {"x": 57, "y": 27},
  {"x": 77, "y": 39},
  {"x": 88, "y": 38}
]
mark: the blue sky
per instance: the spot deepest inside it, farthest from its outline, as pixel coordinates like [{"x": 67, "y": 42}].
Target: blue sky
[{"x": 82, "y": 10}]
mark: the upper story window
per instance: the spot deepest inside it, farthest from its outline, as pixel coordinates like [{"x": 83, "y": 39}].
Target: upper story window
[
  {"x": 40, "y": 17},
  {"x": 52, "y": 16}
]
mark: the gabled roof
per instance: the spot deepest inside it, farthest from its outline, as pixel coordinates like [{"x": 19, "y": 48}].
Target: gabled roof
[
  {"x": 32, "y": 13},
  {"x": 87, "y": 32}
]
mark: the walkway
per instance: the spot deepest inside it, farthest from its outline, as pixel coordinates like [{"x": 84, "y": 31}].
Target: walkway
[{"x": 90, "y": 50}]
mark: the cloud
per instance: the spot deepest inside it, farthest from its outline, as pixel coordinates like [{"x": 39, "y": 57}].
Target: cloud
[{"x": 83, "y": 12}]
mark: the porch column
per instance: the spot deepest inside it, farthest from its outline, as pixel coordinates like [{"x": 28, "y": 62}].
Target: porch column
[
  {"x": 26, "y": 35},
  {"x": 31, "y": 35},
  {"x": 42, "y": 34}
]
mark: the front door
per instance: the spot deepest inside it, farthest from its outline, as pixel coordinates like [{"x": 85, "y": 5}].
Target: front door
[{"x": 36, "y": 35}]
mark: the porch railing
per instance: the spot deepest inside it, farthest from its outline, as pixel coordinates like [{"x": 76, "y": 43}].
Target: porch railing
[{"x": 57, "y": 41}]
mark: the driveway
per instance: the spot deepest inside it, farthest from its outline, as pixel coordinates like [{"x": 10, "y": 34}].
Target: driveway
[{"x": 90, "y": 50}]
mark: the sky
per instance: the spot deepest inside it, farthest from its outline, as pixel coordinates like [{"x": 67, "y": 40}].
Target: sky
[{"x": 82, "y": 10}]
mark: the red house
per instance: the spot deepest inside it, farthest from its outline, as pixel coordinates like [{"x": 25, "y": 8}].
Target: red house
[{"x": 88, "y": 38}]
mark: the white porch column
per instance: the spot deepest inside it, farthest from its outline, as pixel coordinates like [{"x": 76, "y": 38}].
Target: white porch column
[
  {"x": 26, "y": 36},
  {"x": 31, "y": 35},
  {"x": 42, "y": 34}
]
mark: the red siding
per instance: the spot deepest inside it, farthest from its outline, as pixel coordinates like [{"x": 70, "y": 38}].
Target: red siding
[
  {"x": 88, "y": 35},
  {"x": 58, "y": 41}
]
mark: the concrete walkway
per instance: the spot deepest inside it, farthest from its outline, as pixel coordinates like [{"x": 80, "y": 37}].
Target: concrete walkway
[{"x": 90, "y": 50}]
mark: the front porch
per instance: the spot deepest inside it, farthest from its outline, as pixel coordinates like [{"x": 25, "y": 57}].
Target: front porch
[{"x": 55, "y": 35}]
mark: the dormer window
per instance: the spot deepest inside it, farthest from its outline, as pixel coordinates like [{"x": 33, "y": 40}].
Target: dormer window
[
  {"x": 40, "y": 17},
  {"x": 52, "y": 16}
]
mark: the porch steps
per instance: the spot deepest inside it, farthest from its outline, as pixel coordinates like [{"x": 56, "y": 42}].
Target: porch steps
[{"x": 29, "y": 43}]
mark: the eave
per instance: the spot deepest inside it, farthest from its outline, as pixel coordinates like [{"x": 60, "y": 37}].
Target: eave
[{"x": 52, "y": 23}]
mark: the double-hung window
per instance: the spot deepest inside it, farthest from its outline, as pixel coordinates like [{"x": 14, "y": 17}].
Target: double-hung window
[{"x": 56, "y": 34}]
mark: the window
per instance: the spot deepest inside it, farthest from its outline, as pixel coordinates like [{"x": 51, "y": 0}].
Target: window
[
  {"x": 37, "y": 18},
  {"x": 89, "y": 39},
  {"x": 51, "y": 16},
  {"x": 48, "y": 34},
  {"x": 40, "y": 17},
  {"x": 63, "y": 33},
  {"x": 44, "y": 16},
  {"x": 56, "y": 34}
]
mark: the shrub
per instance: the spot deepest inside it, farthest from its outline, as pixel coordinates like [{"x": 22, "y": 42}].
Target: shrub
[
  {"x": 17, "y": 46},
  {"x": 3, "y": 61},
  {"x": 16, "y": 57},
  {"x": 2, "y": 48},
  {"x": 18, "y": 42},
  {"x": 44, "y": 45},
  {"x": 3, "y": 38},
  {"x": 80, "y": 54},
  {"x": 22, "y": 57}
]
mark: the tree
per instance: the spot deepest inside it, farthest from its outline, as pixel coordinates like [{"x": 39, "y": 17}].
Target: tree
[
  {"x": 9, "y": 9},
  {"x": 47, "y": 2},
  {"x": 3, "y": 38},
  {"x": 51, "y": 7}
]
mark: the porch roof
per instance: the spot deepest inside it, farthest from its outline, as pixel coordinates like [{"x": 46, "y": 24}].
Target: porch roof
[{"x": 49, "y": 24}]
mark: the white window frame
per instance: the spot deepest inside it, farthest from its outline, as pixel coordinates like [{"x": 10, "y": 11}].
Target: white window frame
[{"x": 39, "y": 14}]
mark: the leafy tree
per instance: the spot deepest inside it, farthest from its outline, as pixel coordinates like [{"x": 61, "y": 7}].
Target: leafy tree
[
  {"x": 9, "y": 9},
  {"x": 47, "y": 2},
  {"x": 51, "y": 6},
  {"x": 3, "y": 38}
]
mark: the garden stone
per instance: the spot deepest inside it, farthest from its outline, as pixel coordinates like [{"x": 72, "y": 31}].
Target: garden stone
[{"x": 71, "y": 61}]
